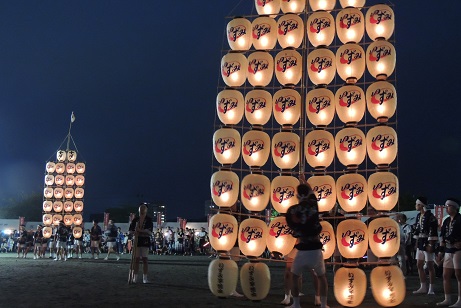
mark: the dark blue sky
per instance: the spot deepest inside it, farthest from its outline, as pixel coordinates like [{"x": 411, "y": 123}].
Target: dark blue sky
[{"x": 142, "y": 76}]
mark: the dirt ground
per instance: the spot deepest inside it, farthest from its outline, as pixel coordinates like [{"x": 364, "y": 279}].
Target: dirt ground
[{"x": 175, "y": 281}]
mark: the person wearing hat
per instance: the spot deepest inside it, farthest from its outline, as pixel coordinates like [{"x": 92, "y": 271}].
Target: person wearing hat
[
  {"x": 450, "y": 250},
  {"x": 426, "y": 235}
]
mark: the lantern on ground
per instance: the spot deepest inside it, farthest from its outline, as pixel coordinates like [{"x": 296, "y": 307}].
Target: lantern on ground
[
  {"x": 78, "y": 219},
  {"x": 78, "y": 206},
  {"x": 78, "y": 232},
  {"x": 350, "y": 25},
  {"x": 280, "y": 237},
  {"x": 48, "y": 192},
  {"x": 47, "y": 206},
  {"x": 69, "y": 193},
  {"x": 70, "y": 168},
  {"x": 70, "y": 180},
  {"x": 324, "y": 188},
  {"x": 382, "y": 145},
  {"x": 79, "y": 180},
  {"x": 59, "y": 179},
  {"x": 57, "y": 218},
  {"x": 71, "y": 156},
  {"x": 384, "y": 237},
  {"x": 80, "y": 168},
  {"x": 381, "y": 99},
  {"x": 68, "y": 206},
  {"x": 260, "y": 68},
  {"x": 320, "y": 107},
  {"x": 58, "y": 206},
  {"x": 79, "y": 192},
  {"x": 267, "y": 7},
  {"x": 388, "y": 285},
  {"x": 226, "y": 145},
  {"x": 50, "y": 167},
  {"x": 223, "y": 233},
  {"x": 380, "y": 59},
  {"x": 352, "y": 3},
  {"x": 321, "y": 29},
  {"x": 61, "y": 155},
  {"x": 258, "y": 107},
  {"x": 283, "y": 189},
  {"x": 47, "y": 219},
  {"x": 321, "y": 66},
  {"x": 328, "y": 239},
  {"x": 222, "y": 277},
  {"x": 350, "y": 286},
  {"x": 285, "y": 150},
  {"x": 224, "y": 188},
  {"x": 319, "y": 148},
  {"x": 255, "y": 280},
  {"x": 60, "y": 168},
  {"x": 379, "y": 22},
  {"x": 352, "y": 238},
  {"x": 255, "y": 192},
  {"x": 58, "y": 192},
  {"x": 322, "y": 5},
  {"x": 383, "y": 190},
  {"x": 252, "y": 237},
  {"x": 264, "y": 33},
  {"x": 351, "y": 190},
  {"x": 350, "y": 62},
  {"x": 68, "y": 220},
  {"x": 233, "y": 69},
  {"x": 287, "y": 106},
  {"x": 47, "y": 232},
  {"x": 255, "y": 148},
  {"x": 290, "y": 31},
  {"x": 350, "y": 104},
  {"x": 239, "y": 34},
  {"x": 350, "y": 146},
  {"x": 288, "y": 67},
  {"x": 49, "y": 179}
]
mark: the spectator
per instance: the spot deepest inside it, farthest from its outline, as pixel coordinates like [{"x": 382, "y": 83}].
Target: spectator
[
  {"x": 203, "y": 240},
  {"x": 179, "y": 241},
  {"x": 95, "y": 237},
  {"x": 22, "y": 239},
  {"x": 119, "y": 241},
  {"x": 61, "y": 245},
  {"x": 111, "y": 238},
  {"x": 38, "y": 242},
  {"x": 141, "y": 227}
]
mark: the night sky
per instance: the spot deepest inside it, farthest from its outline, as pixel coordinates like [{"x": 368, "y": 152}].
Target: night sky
[{"x": 141, "y": 78}]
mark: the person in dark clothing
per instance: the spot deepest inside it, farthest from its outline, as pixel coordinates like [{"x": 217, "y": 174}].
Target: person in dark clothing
[
  {"x": 95, "y": 237},
  {"x": 141, "y": 227}
]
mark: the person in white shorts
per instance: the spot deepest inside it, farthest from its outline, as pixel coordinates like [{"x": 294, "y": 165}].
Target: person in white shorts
[
  {"x": 111, "y": 237},
  {"x": 95, "y": 237}
]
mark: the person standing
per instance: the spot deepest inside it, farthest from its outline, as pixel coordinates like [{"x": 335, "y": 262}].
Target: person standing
[
  {"x": 22, "y": 241},
  {"x": 405, "y": 242},
  {"x": 95, "y": 237},
  {"x": 119, "y": 241},
  {"x": 141, "y": 227},
  {"x": 78, "y": 244},
  {"x": 111, "y": 239},
  {"x": 38, "y": 242},
  {"x": 203, "y": 240},
  {"x": 62, "y": 232},
  {"x": 426, "y": 235}
]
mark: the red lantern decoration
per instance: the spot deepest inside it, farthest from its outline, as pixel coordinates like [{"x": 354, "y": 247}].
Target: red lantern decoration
[
  {"x": 233, "y": 69},
  {"x": 319, "y": 148},
  {"x": 350, "y": 146},
  {"x": 381, "y": 59},
  {"x": 384, "y": 237},
  {"x": 290, "y": 31},
  {"x": 350, "y": 286},
  {"x": 320, "y": 107},
  {"x": 328, "y": 239},
  {"x": 287, "y": 106},
  {"x": 230, "y": 106},
  {"x": 255, "y": 280},
  {"x": 381, "y": 100},
  {"x": 350, "y": 25},
  {"x": 283, "y": 190},
  {"x": 350, "y": 62},
  {"x": 285, "y": 150},
  {"x": 350, "y": 104},
  {"x": 223, "y": 232},
  {"x": 383, "y": 190},
  {"x": 239, "y": 34},
  {"x": 260, "y": 68},
  {"x": 252, "y": 237},
  {"x": 321, "y": 66},
  {"x": 321, "y": 31},
  {"x": 222, "y": 277},
  {"x": 380, "y": 22},
  {"x": 288, "y": 67},
  {"x": 352, "y": 238},
  {"x": 258, "y": 107},
  {"x": 224, "y": 188},
  {"x": 255, "y": 192},
  {"x": 382, "y": 145},
  {"x": 256, "y": 148},
  {"x": 324, "y": 187},
  {"x": 280, "y": 237},
  {"x": 226, "y": 145},
  {"x": 351, "y": 190},
  {"x": 388, "y": 285},
  {"x": 264, "y": 33}
]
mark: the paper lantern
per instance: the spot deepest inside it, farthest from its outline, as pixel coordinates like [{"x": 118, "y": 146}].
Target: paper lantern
[
  {"x": 324, "y": 187},
  {"x": 258, "y": 107},
  {"x": 351, "y": 191},
  {"x": 70, "y": 168},
  {"x": 48, "y": 192},
  {"x": 350, "y": 62},
  {"x": 69, "y": 193},
  {"x": 285, "y": 150},
  {"x": 68, "y": 220},
  {"x": 239, "y": 34},
  {"x": 290, "y": 31},
  {"x": 382, "y": 145},
  {"x": 223, "y": 232},
  {"x": 321, "y": 31},
  {"x": 222, "y": 277},
  {"x": 350, "y": 25},
  {"x": 61, "y": 155},
  {"x": 322, "y": 5},
  {"x": 319, "y": 148},
  {"x": 328, "y": 239},
  {"x": 388, "y": 285},
  {"x": 224, "y": 188},
  {"x": 58, "y": 192},
  {"x": 384, "y": 237},
  {"x": 49, "y": 179},
  {"x": 379, "y": 22},
  {"x": 255, "y": 279},
  {"x": 79, "y": 180},
  {"x": 68, "y": 206},
  {"x": 58, "y": 206},
  {"x": 350, "y": 146},
  {"x": 287, "y": 106},
  {"x": 47, "y": 206},
  {"x": 255, "y": 192},
  {"x": 280, "y": 237},
  {"x": 260, "y": 68},
  {"x": 70, "y": 180},
  {"x": 380, "y": 59},
  {"x": 80, "y": 168},
  {"x": 47, "y": 232},
  {"x": 350, "y": 104},
  {"x": 79, "y": 193},
  {"x": 233, "y": 69},
  {"x": 71, "y": 156},
  {"x": 350, "y": 286},
  {"x": 252, "y": 237},
  {"x": 78, "y": 219},
  {"x": 226, "y": 145},
  {"x": 78, "y": 206},
  {"x": 381, "y": 99},
  {"x": 60, "y": 168},
  {"x": 352, "y": 238},
  {"x": 292, "y": 6},
  {"x": 267, "y": 7},
  {"x": 57, "y": 218},
  {"x": 383, "y": 190},
  {"x": 47, "y": 219},
  {"x": 283, "y": 189},
  {"x": 352, "y": 3},
  {"x": 264, "y": 33},
  {"x": 288, "y": 67},
  {"x": 78, "y": 232},
  {"x": 50, "y": 167},
  {"x": 320, "y": 107},
  {"x": 321, "y": 66},
  {"x": 59, "y": 179},
  {"x": 255, "y": 148},
  {"x": 230, "y": 106}
]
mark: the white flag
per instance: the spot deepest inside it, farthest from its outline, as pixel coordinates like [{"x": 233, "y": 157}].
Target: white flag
[{"x": 72, "y": 117}]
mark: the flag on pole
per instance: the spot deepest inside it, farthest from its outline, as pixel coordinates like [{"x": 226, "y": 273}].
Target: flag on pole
[{"x": 72, "y": 117}]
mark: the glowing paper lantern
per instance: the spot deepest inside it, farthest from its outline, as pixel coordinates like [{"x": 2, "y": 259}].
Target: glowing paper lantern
[
  {"x": 233, "y": 69},
  {"x": 321, "y": 31},
  {"x": 328, "y": 239},
  {"x": 288, "y": 67},
  {"x": 222, "y": 277},
  {"x": 319, "y": 148},
  {"x": 58, "y": 192},
  {"x": 47, "y": 232},
  {"x": 352, "y": 238},
  {"x": 350, "y": 25},
  {"x": 78, "y": 206},
  {"x": 57, "y": 218},
  {"x": 71, "y": 156},
  {"x": 50, "y": 167},
  {"x": 320, "y": 107},
  {"x": 70, "y": 180},
  {"x": 78, "y": 232},
  {"x": 380, "y": 59},
  {"x": 321, "y": 66},
  {"x": 230, "y": 106},
  {"x": 283, "y": 189},
  {"x": 388, "y": 285},
  {"x": 384, "y": 237},
  {"x": 68, "y": 220},
  {"x": 48, "y": 192},
  {"x": 226, "y": 145},
  {"x": 60, "y": 168},
  {"x": 264, "y": 33},
  {"x": 267, "y": 7},
  {"x": 351, "y": 190},
  {"x": 290, "y": 31},
  {"x": 70, "y": 168},
  {"x": 292, "y": 6},
  {"x": 350, "y": 104},
  {"x": 287, "y": 106},
  {"x": 79, "y": 180},
  {"x": 223, "y": 232},
  {"x": 285, "y": 150},
  {"x": 383, "y": 190},
  {"x": 79, "y": 192},
  {"x": 260, "y": 68},
  {"x": 78, "y": 219},
  {"x": 255, "y": 148},
  {"x": 324, "y": 187},
  {"x": 69, "y": 193},
  {"x": 47, "y": 219},
  {"x": 68, "y": 206},
  {"x": 280, "y": 236},
  {"x": 350, "y": 62},
  {"x": 379, "y": 22},
  {"x": 255, "y": 192},
  {"x": 59, "y": 179},
  {"x": 322, "y": 5},
  {"x": 350, "y": 286},
  {"x": 350, "y": 146},
  {"x": 252, "y": 237},
  {"x": 57, "y": 206},
  {"x": 47, "y": 206},
  {"x": 381, "y": 100},
  {"x": 258, "y": 107},
  {"x": 352, "y": 3},
  {"x": 61, "y": 155},
  {"x": 49, "y": 179},
  {"x": 239, "y": 34},
  {"x": 382, "y": 145},
  {"x": 255, "y": 280},
  {"x": 224, "y": 188},
  {"x": 80, "y": 168}
]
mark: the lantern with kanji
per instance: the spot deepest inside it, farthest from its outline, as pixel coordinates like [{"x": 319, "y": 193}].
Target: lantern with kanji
[
  {"x": 292, "y": 6},
  {"x": 58, "y": 206},
  {"x": 324, "y": 188},
  {"x": 70, "y": 180},
  {"x": 381, "y": 99},
  {"x": 255, "y": 192},
  {"x": 60, "y": 168},
  {"x": 319, "y": 148},
  {"x": 384, "y": 237},
  {"x": 260, "y": 68},
  {"x": 267, "y": 7},
  {"x": 350, "y": 286},
  {"x": 350, "y": 62},
  {"x": 321, "y": 29},
  {"x": 68, "y": 220},
  {"x": 80, "y": 168},
  {"x": 322, "y": 5},
  {"x": 68, "y": 206},
  {"x": 222, "y": 277},
  {"x": 320, "y": 107},
  {"x": 382, "y": 145},
  {"x": 78, "y": 206},
  {"x": 78, "y": 219},
  {"x": 79, "y": 180},
  {"x": 48, "y": 192},
  {"x": 59, "y": 179},
  {"x": 70, "y": 168},
  {"x": 47, "y": 232},
  {"x": 285, "y": 150},
  {"x": 47, "y": 206},
  {"x": 255, "y": 148},
  {"x": 287, "y": 106},
  {"x": 350, "y": 146},
  {"x": 283, "y": 189},
  {"x": 57, "y": 218},
  {"x": 379, "y": 22},
  {"x": 328, "y": 239},
  {"x": 50, "y": 167},
  {"x": 47, "y": 219},
  {"x": 388, "y": 285},
  {"x": 230, "y": 106},
  {"x": 58, "y": 192},
  {"x": 71, "y": 156},
  {"x": 226, "y": 145},
  {"x": 380, "y": 59},
  {"x": 280, "y": 237},
  {"x": 352, "y": 3},
  {"x": 258, "y": 107},
  {"x": 239, "y": 34},
  {"x": 224, "y": 188},
  {"x": 234, "y": 69},
  {"x": 288, "y": 67},
  {"x": 350, "y": 104},
  {"x": 61, "y": 155},
  {"x": 290, "y": 30},
  {"x": 78, "y": 232},
  {"x": 223, "y": 232},
  {"x": 352, "y": 238},
  {"x": 383, "y": 190},
  {"x": 69, "y": 193},
  {"x": 79, "y": 192},
  {"x": 350, "y": 25},
  {"x": 49, "y": 179},
  {"x": 321, "y": 66},
  {"x": 264, "y": 33},
  {"x": 252, "y": 237},
  {"x": 255, "y": 280},
  {"x": 351, "y": 191}
]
